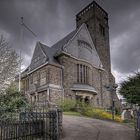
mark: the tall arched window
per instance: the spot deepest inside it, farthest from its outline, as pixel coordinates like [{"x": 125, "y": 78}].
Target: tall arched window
[{"x": 82, "y": 74}]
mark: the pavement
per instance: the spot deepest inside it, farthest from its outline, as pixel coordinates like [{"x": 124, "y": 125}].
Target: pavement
[{"x": 82, "y": 128}]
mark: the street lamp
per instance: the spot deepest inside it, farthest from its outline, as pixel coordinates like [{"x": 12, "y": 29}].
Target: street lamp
[{"x": 112, "y": 89}]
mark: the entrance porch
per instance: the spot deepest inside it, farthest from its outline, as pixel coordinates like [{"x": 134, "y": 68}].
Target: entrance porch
[{"x": 84, "y": 93}]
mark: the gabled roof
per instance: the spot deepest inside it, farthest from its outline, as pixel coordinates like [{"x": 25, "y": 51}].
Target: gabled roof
[
  {"x": 44, "y": 54},
  {"x": 38, "y": 58},
  {"x": 47, "y": 54},
  {"x": 59, "y": 45},
  {"x": 64, "y": 41},
  {"x": 69, "y": 46}
]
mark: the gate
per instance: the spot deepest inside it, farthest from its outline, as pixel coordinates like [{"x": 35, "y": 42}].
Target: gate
[
  {"x": 137, "y": 123},
  {"x": 32, "y": 125},
  {"x": 21, "y": 130}
]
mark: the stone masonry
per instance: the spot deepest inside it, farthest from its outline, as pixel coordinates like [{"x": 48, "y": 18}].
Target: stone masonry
[{"x": 77, "y": 67}]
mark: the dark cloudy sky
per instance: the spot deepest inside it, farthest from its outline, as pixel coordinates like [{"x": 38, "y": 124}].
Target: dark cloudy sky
[{"x": 53, "y": 19}]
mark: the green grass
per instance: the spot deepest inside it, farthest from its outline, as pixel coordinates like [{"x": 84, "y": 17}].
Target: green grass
[
  {"x": 129, "y": 123},
  {"x": 98, "y": 113},
  {"x": 72, "y": 113},
  {"x": 67, "y": 105},
  {"x": 69, "y": 108}
]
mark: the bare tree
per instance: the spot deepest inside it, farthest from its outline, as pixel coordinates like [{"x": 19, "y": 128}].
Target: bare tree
[{"x": 9, "y": 63}]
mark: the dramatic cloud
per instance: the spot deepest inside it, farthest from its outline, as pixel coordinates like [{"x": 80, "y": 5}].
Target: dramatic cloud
[{"x": 53, "y": 19}]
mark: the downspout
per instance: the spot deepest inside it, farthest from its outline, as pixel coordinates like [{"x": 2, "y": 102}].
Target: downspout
[
  {"x": 48, "y": 93},
  {"x": 62, "y": 82},
  {"x": 48, "y": 90},
  {"x": 101, "y": 88}
]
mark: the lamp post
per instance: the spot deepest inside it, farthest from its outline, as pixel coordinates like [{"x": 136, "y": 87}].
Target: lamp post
[{"x": 112, "y": 89}]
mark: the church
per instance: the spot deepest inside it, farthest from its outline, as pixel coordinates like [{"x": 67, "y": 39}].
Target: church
[{"x": 77, "y": 67}]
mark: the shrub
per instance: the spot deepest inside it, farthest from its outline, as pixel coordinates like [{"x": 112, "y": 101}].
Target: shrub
[
  {"x": 11, "y": 102},
  {"x": 67, "y": 105},
  {"x": 98, "y": 113},
  {"x": 72, "y": 113}
]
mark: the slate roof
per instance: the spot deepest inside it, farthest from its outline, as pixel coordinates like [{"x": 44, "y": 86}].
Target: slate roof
[
  {"x": 59, "y": 45},
  {"x": 39, "y": 57},
  {"x": 83, "y": 87},
  {"x": 49, "y": 53},
  {"x": 64, "y": 41}
]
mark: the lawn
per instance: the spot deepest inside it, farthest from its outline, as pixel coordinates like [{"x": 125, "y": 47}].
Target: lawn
[
  {"x": 68, "y": 107},
  {"x": 72, "y": 113},
  {"x": 129, "y": 123}
]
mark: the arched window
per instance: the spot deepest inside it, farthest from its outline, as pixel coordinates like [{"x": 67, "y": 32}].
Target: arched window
[
  {"x": 82, "y": 74},
  {"x": 84, "y": 44}
]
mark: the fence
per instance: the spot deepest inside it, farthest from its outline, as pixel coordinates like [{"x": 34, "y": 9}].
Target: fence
[
  {"x": 137, "y": 123},
  {"x": 32, "y": 125}
]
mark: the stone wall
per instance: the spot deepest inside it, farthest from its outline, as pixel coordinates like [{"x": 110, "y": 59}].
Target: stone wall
[
  {"x": 55, "y": 95},
  {"x": 51, "y": 91},
  {"x": 42, "y": 96},
  {"x": 94, "y": 17},
  {"x": 55, "y": 75},
  {"x": 97, "y": 78},
  {"x": 58, "y": 78}
]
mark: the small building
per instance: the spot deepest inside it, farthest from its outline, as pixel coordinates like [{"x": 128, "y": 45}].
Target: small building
[{"x": 77, "y": 67}]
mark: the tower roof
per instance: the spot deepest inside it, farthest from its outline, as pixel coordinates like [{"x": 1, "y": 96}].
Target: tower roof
[{"x": 89, "y": 6}]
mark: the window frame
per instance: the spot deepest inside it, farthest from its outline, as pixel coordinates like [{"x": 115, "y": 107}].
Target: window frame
[
  {"x": 43, "y": 75},
  {"x": 82, "y": 74},
  {"x": 102, "y": 30}
]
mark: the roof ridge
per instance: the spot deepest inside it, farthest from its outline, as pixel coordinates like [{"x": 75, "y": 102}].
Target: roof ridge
[
  {"x": 42, "y": 48},
  {"x": 71, "y": 33},
  {"x": 43, "y": 44}
]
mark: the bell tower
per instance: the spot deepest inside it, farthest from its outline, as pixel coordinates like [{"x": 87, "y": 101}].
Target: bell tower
[{"x": 96, "y": 19}]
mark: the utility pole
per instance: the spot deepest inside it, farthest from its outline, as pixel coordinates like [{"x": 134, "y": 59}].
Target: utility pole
[{"x": 21, "y": 42}]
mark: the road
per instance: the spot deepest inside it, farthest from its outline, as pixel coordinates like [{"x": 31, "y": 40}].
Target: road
[{"x": 81, "y": 128}]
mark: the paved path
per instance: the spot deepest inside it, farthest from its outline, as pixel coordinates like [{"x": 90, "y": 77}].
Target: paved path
[{"x": 81, "y": 128}]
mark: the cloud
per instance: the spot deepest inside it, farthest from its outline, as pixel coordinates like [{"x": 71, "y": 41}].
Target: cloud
[
  {"x": 125, "y": 52},
  {"x": 52, "y": 19},
  {"x": 125, "y": 45}
]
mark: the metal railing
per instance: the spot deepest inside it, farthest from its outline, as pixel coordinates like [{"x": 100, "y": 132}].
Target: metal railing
[
  {"x": 137, "y": 123},
  {"x": 38, "y": 124}
]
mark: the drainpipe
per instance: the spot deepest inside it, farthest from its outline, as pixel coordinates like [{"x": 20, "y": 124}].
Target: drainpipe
[
  {"x": 62, "y": 82},
  {"x": 101, "y": 89},
  {"x": 48, "y": 89},
  {"x": 48, "y": 93}
]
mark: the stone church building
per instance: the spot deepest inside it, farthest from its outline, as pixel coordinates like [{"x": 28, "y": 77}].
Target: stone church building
[{"x": 77, "y": 67}]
